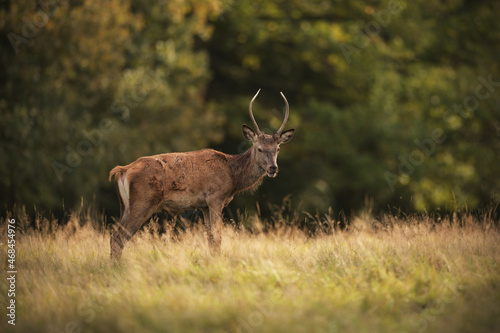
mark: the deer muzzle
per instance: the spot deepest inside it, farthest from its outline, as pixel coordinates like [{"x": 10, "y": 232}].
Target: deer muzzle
[{"x": 272, "y": 171}]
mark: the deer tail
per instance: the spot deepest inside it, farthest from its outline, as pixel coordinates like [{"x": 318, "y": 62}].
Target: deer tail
[{"x": 117, "y": 169}]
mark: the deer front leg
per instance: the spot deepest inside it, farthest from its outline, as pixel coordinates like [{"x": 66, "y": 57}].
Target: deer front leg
[{"x": 213, "y": 224}]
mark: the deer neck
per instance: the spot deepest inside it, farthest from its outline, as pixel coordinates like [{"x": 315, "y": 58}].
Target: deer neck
[{"x": 246, "y": 173}]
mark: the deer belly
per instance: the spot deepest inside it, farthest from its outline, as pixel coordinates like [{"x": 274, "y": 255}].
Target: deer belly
[{"x": 178, "y": 203}]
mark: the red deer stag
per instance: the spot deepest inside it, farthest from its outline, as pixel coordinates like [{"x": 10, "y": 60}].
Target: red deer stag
[{"x": 204, "y": 179}]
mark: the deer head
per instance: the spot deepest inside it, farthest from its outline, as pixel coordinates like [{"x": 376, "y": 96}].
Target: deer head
[{"x": 266, "y": 147}]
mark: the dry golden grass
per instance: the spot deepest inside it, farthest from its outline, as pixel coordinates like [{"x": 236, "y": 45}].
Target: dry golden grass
[{"x": 379, "y": 276}]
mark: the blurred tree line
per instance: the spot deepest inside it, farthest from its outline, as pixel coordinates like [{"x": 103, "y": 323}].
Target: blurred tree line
[{"x": 396, "y": 103}]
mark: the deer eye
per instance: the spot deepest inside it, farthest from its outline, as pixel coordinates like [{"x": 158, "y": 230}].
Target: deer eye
[
  {"x": 260, "y": 150},
  {"x": 278, "y": 149}
]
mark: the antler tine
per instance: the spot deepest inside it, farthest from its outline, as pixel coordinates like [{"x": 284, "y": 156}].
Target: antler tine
[
  {"x": 251, "y": 113},
  {"x": 282, "y": 127}
]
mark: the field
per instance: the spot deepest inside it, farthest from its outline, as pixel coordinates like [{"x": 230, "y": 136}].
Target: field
[{"x": 389, "y": 275}]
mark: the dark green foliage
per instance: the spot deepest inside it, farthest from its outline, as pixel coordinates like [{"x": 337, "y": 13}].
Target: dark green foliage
[{"x": 395, "y": 103}]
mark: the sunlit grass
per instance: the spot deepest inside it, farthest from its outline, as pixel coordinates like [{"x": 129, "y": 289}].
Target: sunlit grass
[{"x": 390, "y": 275}]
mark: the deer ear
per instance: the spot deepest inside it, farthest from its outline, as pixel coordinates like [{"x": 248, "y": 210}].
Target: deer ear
[
  {"x": 249, "y": 133},
  {"x": 286, "y": 136}
]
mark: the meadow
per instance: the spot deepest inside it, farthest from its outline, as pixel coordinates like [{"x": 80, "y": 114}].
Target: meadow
[{"x": 392, "y": 274}]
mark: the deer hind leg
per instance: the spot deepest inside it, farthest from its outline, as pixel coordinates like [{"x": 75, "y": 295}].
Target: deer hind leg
[
  {"x": 127, "y": 227},
  {"x": 134, "y": 216}
]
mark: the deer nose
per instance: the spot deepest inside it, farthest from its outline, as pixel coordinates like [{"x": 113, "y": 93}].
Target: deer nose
[{"x": 273, "y": 170}]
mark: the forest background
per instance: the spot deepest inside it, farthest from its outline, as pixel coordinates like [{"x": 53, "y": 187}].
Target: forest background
[{"x": 396, "y": 104}]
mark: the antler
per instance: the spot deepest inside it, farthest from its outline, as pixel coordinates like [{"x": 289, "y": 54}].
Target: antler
[
  {"x": 251, "y": 113},
  {"x": 282, "y": 127}
]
